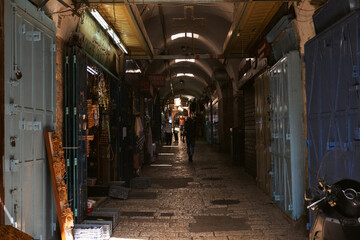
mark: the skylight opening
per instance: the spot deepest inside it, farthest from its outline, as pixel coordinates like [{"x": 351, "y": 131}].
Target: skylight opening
[
  {"x": 177, "y": 101},
  {"x": 182, "y": 35},
  {"x": 184, "y": 60},
  {"x": 185, "y": 74}
]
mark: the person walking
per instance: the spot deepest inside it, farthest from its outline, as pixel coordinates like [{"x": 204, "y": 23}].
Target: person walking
[
  {"x": 190, "y": 134},
  {"x": 167, "y": 132},
  {"x": 175, "y": 132},
  {"x": 182, "y": 124}
]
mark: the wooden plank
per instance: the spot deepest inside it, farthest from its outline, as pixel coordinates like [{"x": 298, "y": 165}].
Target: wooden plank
[
  {"x": 2, "y": 195},
  {"x": 59, "y": 210}
]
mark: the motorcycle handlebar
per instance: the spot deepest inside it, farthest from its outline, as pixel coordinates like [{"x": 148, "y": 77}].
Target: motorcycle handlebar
[{"x": 316, "y": 203}]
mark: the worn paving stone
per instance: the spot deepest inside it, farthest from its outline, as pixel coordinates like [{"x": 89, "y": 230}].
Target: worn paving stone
[
  {"x": 180, "y": 202},
  {"x": 218, "y": 223}
]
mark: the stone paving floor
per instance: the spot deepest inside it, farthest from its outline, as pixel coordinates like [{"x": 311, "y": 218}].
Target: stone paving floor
[{"x": 206, "y": 199}]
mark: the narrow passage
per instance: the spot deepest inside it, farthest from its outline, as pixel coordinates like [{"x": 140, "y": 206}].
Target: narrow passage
[{"x": 207, "y": 199}]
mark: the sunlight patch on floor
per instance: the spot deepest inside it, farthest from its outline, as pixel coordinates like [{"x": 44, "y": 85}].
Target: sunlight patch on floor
[
  {"x": 166, "y": 154},
  {"x": 160, "y": 165}
]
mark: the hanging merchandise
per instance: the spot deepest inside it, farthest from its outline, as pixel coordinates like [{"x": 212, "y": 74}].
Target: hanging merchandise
[
  {"x": 105, "y": 132},
  {"x": 215, "y": 122},
  {"x": 100, "y": 124},
  {"x": 140, "y": 136},
  {"x": 103, "y": 93},
  {"x": 287, "y": 135},
  {"x": 208, "y": 121}
]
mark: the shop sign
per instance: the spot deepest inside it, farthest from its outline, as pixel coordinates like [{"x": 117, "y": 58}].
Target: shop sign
[
  {"x": 97, "y": 43},
  {"x": 157, "y": 80},
  {"x": 145, "y": 87}
]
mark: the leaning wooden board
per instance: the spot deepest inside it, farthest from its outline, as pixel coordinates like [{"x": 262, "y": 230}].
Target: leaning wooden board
[{"x": 57, "y": 170}]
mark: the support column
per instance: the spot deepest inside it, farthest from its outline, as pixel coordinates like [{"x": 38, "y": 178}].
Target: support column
[{"x": 305, "y": 31}]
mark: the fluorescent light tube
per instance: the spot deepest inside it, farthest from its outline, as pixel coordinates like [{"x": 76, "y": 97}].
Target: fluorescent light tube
[
  {"x": 117, "y": 40},
  {"x": 111, "y": 32},
  {"x": 91, "y": 70},
  {"x": 133, "y": 71},
  {"x": 99, "y": 18}
]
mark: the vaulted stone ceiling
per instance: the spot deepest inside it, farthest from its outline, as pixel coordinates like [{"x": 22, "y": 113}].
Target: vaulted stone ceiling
[{"x": 218, "y": 30}]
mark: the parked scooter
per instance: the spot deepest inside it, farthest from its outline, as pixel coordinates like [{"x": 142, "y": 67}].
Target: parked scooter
[{"x": 336, "y": 200}]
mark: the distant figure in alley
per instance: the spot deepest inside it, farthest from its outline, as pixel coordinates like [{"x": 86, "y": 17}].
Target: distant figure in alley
[{"x": 190, "y": 134}]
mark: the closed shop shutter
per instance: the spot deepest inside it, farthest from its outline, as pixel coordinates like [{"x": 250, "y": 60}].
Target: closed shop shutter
[
  {"x": 262, "y": 121},
  {"x": 287, "y": 135},
  {"x": 249, "y": 128}
]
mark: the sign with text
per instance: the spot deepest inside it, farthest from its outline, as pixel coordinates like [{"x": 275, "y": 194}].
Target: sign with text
[{"x": 157, "y": 80}]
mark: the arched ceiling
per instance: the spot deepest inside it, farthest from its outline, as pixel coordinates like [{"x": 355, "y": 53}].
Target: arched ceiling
[{"x": 226, "y": 29}]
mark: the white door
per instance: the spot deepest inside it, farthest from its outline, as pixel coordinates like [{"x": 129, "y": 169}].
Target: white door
[{"x": 29, "y": 109}]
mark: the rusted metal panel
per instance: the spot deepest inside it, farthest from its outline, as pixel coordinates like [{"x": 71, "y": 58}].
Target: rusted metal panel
[{"x": 262, "y": 125}]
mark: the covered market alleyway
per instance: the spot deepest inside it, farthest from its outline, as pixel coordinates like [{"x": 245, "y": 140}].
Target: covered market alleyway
[{"x": 209, "y": 198}]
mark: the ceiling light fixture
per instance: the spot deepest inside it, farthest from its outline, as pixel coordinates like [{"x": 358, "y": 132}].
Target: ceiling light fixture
[
  {"x": 184, "y": 60},
  {"x": 182, "y": 35},
  {"x": 133, "y": 71},
  {"x": 109, "y": 30},
  {"x": 117, "y": 40},
  {"x": 99, "y": 18}
]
